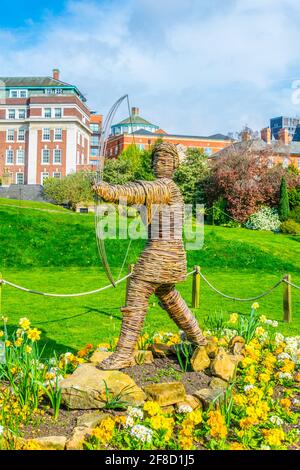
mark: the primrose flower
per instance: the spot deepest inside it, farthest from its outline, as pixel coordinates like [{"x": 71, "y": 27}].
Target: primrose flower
[
  {"x": 263, "y": 319},
  {"x": 259, "y": 331},
  {"x": 185, "y": 409},
  {"x": 233, "y": 318},
  {"x": 248, "y": 388},
  {"x": 24, "y": 323},
  {"x": 255, "y": 306},
  {"x": 285, "y": 375},
  {"x": 135, "y": 412},
  {"x": 142, "y": 433},
  {"x": 283, "y": 356},
  {"x": 276, "y": 420},
  {"x": 129, "y": 422},
  {"x": 1, "y": 430}
]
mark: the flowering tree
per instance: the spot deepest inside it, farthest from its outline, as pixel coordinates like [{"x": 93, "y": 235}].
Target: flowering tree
[{"x": 246, "y": 181}]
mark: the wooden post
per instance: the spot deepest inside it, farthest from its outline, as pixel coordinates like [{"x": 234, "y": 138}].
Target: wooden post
[
  {"x": 196, "y": 288},
  {"x": 287, "y": 300},
  {"x": 130, "y": 270}
]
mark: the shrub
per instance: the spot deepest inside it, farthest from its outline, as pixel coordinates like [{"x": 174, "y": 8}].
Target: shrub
[
  {"x": 294, "y": 197},
  {"x": 264, "y": 219},
  {"x": 295, "y": 214},
  {"x": 284, "y": 205},
  {"x": 290, "y": 227}
]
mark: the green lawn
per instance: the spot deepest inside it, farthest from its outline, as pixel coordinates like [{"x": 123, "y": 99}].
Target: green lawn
[{"x": 53, "y": 252}]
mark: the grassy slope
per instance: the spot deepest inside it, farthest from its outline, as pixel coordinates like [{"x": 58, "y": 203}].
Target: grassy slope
[{"x": 57, "y": 253}]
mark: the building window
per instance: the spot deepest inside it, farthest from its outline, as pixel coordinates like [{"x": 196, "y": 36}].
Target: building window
[
  {"x": 94, "y": 140},
  {"x": 94, "y": 152},
  {"x": 141, "y": 146},
  {"x": 18, "y": 93},
  {"x": 20, "y": 157},
  {"x": 57, "y": 156},
  {"x": 44, "y": 176},
  {"x": 208, "y": 150},
  {"x": 58, "y": 134},
  {"x": 285, "y": 163},
  {"x": 10, "y": 135},
  {"x": 22, "y": 113},
  {"x": 299, "y": 163},
  {"x": 57, "y": 113},
  {"x": 21, "y": 135},
  {"x": 57, "y": 174},
  {"x": 20, "y": 178},
  {"x": 47, "y": 113},
  {"x": 82, "y": 159},
  {"x": 46, "y": 133},
  {"x": 11, "y": 114},
  {"x": 9, "y": 157},
  {"x": 45, "y": 156},
  {"x": 94, "y": 127}
]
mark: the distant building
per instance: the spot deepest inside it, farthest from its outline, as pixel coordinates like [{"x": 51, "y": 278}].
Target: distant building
[
  {"x": 292, "y": 124},
  {"x": 44, "y": 129},
  {"x": 96, "y": 129},
  {"x": 282, "y": 151},
  {"x": 137, "y": 130}
]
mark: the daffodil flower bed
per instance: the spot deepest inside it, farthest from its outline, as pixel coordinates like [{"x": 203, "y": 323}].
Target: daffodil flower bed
[{"x": 260, "y": 408}]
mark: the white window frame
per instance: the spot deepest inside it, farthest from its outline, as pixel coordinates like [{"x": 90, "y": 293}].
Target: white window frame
[
  {"x": 8, "y": 133},
  {"x": 43, "y": 176},
  {"x": 18, "y": 162},
  {"x": 6, "y": 157},
  {"x": 60, "y": 113},
  {"x": 45, "y": 139},
  {"x": 47, "y": 109},
  {"x": 17, "y": 174},
  {"x": 24, "y": 134},
  {"x": 58, "y": 139},
  {"x": 11, "y": 110},
  {"x": 57, "y": 173},
  {"x": 21, "y": 110},
  {"x": 54, "y": 158},
  {"x": 42, "y": 159},
  {"x": 18, "y": 93}
]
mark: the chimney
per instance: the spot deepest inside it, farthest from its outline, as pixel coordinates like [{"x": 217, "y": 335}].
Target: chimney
[
  {"x": 246, "y": 135},
  {"x": 283, "y": 136},
  {"x": 55, "y": 74},
  {"x": 135, "y": 111},
  {"x": 265, "y": 135}
]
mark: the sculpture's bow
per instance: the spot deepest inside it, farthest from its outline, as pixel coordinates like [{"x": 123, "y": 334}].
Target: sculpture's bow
[{"x": 103, "y": 140}]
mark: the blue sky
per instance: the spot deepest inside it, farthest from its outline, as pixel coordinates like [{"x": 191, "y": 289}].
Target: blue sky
[{"x": 192, "y": 66}]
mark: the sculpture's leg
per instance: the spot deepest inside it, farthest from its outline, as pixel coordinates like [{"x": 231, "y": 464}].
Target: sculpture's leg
[
  {"x": 173, "y": 303},
  {"x": 132, "y": 323}
]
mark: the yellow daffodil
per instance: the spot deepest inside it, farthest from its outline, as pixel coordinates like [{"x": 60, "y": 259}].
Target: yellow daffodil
[
  {"x": 34, "y": 334},
  {"x": 24, "y": 323},
  {"x": 255, "y": 306}
]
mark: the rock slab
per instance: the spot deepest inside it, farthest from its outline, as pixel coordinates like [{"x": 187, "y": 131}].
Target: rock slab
[
  {"x": 85, "y": 388},
  {"x": 200, "y": 359},
  {"x": 166, "y": 393}
]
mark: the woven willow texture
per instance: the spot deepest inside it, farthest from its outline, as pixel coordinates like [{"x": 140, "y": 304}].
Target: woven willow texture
[{"x": 163, "y": 261}]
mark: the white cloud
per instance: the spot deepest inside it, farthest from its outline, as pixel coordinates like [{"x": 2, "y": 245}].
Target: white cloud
[{"x": 192, "y": 67}]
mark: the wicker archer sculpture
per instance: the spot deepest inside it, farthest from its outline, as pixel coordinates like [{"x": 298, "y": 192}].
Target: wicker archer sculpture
[{"x": 163, "y": 261}]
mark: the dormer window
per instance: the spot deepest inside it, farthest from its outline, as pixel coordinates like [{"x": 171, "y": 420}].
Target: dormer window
[{"x": 18, "y": 93}]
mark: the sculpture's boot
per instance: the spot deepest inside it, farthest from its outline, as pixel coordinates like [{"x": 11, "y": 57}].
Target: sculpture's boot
[
  {"x": 173, "y": 303},
  {"x": 132, "y": 324}
]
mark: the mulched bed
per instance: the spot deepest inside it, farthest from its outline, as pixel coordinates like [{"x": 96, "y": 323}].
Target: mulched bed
[{"x": 167, "y": 370}]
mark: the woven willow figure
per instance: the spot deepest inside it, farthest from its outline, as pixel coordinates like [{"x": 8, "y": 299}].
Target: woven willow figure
[{"x": 163, "y": 261}]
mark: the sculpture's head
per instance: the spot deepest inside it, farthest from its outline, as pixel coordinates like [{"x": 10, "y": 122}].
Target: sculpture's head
[{"x": 165, "y": 160}]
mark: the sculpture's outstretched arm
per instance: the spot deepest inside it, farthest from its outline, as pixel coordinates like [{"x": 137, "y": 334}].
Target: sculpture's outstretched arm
[{"x": 137, "y": 192}]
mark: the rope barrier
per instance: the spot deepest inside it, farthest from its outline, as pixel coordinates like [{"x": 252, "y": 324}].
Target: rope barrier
[
  {"x": 46, "y": 294},
  {"x": 250, "y": 299},
  {"x": 291, "y": 284},
  {"x": 81, "y": 294}
]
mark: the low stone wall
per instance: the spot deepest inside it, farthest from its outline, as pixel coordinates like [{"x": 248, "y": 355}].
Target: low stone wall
[{"x": 28, "y": 192}]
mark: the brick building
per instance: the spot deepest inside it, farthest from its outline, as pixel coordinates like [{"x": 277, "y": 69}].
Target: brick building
[
  {"x": 96, "y": 128},
  {"x": 282, "y": 151},
  {"x": 139, "y": 131},
  {"x": 44, "y": 129}
]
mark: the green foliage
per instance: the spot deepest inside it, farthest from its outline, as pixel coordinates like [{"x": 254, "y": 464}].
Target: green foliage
[
  {"x": 116, "y": 401},
  {"x": 72, "y": 189},
  {"x": 53, "y": 391},
  {"x": 295, "y": 214},
  {"x": 184, "y": 352},
  {"x": 283, "y": 207},
  {"x": 132, "y": 164},
  {"x": 218, "y": 212},
  {"x": 290, "y": 227},
  {"x": 215, "y": 323},
  {"x": 294, "y": 197},
  {"x": 246, "y": 326},
  {"x": 226, "y": 404},
  {"x": 190, "y": 176}
]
